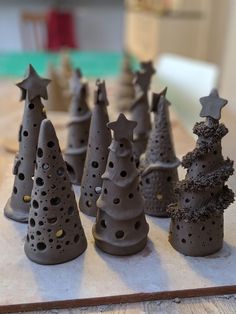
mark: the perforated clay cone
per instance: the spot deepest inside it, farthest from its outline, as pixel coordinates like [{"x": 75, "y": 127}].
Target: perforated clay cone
[
  {"x": 55, "y": 234},
  {"x": 197, "y": 227},
  {"x": 33, "y": 87},
  {"x": 121, "y": 227},
  {"x": 78, "y": 128},
  {"x": 97, "y": 152},
  {"x": 158, "y": 166}
]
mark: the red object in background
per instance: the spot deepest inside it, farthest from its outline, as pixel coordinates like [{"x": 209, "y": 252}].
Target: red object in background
[{"x": 60, "y": 30}]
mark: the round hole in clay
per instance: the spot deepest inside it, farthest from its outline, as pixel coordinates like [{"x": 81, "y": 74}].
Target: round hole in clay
[
  {"x": 40, "y": 152},
  {"x": 111, "y": 165},
  {"x": 168, "y": 179},
  {"x": 60, "y": 234},
  {"x": 15, "y": 190},
  {"x": 38, "y": 233},
  {"x": 203, "y": 166},
  {"x": 137, "y": 225},
  {"x": 25, "y": 133},
  {"x": 88, "y": 204},
  {"x": 178, "y": 227},
  {"x": 203, "y": 228},
  {"x": 121, "y": 145},
  {"x": 55, "y": 201},
  {"x": 45, "y": 209},
  {"x": 67, "y": 242},
  {"x": 50, "y": 144},
  {"x": 76, "y": 238},
  {"x": 32, "y": 237},
  {"x": 190, "y": 234},
  {"x": 123, "y": 173},
  {"x": 32, "y": 222},
  {"x": 41, "y": 223},
  {"x": 60, "y": 171},
  {"x": 39, "y": 181},
  {"x": 116, "y": 201},
  {"x": 183, "y": 241},
  {"x": 31, "y": 106},
  {"x": 131, "y": 195},
  {"x": 58, "y": 247},
  {"x": 147, "y": 181},
  {"x": 94, "y": 164},
  {"x": 45, "y": 166},
  {"x": 71, "y": 210},
  {"x": 43, "y": 193},
  {"x": 120, "y": 234},
  {"x": 103, "y": 224},
  {"x": 50, "y": 240},
  {"x": 35, "y": 204},
  {"x": 105, "y": 191},
  {"x": 21, "y": 176},
  {"x": 52, "y": 220},
  {"x": 187, "y": 200}
]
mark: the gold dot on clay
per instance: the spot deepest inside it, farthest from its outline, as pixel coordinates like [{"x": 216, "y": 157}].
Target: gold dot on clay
[
  {"x": 26, "y": 198},
  {"x": 159, "y": 196}
]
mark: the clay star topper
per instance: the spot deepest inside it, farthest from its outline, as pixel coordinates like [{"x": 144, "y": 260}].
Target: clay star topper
[
  {"x": 142, "y": 78},
  {"x": 212, "y": 105},
  {"x": 156, "y": 98},
  {"x": 77, "y": 82},
  {"x": 122, "y": 127},
  {"x": 34, "y": 85},
  {"x": 148, "y": 68},
  {"x": 101, "y": 93}
]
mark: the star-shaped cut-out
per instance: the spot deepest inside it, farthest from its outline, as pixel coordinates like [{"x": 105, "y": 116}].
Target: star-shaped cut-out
[
  {"x": 33, "y": 85},
  {"x": 123, "y": 128},
  {"x": 156, "y": 98},
  {"x": 212, "y": 105},
  {"x": 101, "y": 93}
]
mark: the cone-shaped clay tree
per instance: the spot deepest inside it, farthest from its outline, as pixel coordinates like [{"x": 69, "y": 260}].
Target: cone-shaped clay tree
[
  {"x": 197, "y": 217},
  {"x": 78, "y": 127},
  {"x": 121, "y": 227},
  {"x": 125, "y": 91},
  {"x": 55, "y": 234},
  {"x": 158, "y": 166},
  {"x": 97, "y": 152},
  {"x": 140, "y": 108},
  {"x": 33, "y": 87}
]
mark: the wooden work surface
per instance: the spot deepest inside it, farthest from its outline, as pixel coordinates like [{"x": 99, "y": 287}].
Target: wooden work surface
[{"x": 10, "y": 111}]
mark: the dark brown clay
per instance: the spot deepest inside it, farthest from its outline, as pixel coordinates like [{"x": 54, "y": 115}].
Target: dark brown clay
[
  {"x": 158, "y": 166},
  {"x": 55, "y": 234},
  {"x": 97, "y": 152},
  {"x": 33, "y": 87},
  {"x": 78, "y": 128},
  {"x": 121, "y": 227},
  {"x": 203, "y": 196},
  {"x": 199, "y": 238}
]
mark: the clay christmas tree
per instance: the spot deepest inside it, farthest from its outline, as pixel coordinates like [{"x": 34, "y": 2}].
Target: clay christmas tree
[
  {"x": 97, "y": 152},
  {"x": 125, "y": 92},
  {"x": 78, "y": 128},
  {"x": 121, "y": 227},
  {"x": 159, "y": 164},
  {"x": 140, "y": 108},
  {"x": 55, "y": 234},
  {"x": 197, "y": 217},
  {"x": 33, "y": 87}
]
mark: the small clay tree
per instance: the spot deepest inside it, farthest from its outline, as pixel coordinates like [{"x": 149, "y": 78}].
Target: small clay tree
[
  {"x": 121, "y": 227},
  {"x": 55, "y": 234},
  {"x": 33, "y": 87},
  {"x": 197, "y": 217},
  {"x": 158, "y": 166},
  {"x": 125, "y": 91},
  {"x": 140, "y": 108},
  {"x": 78, "y": 127},
  {"x": 97, "y": 152}
]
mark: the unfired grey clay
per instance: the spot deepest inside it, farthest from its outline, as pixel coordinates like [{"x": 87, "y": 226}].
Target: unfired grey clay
[
  {"x": 78, "y": 128},
  {"x": 158, "y": 166},
  {"x": 197, "y": 217},
  {"x": 33, "y": 88},
  {"x": 97, "y": 152},
  {"x": 121, "y": 227},
  {"x": 55, "y": 234}
]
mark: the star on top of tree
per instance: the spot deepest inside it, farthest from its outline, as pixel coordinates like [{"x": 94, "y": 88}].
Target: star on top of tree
[
  {"x": 34, "y": 85},
  {"x": 212, "y": 105},
  {"x": 142, "y": 78},
  {"x": 156, "y": 97},
  {"x": 148, "y": 68},
  {"x": 101, "y": 93},
  {"x": 122, "y": 127},
  {"x": 76, "y": 81}
]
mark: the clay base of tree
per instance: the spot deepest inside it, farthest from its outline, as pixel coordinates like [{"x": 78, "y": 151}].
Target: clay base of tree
[
  {"x": 75, "y": 166},
  {"x": 199, "y": 238},
  {"x": 56, "y": 256},
  {"x": 16, "y": 214}
]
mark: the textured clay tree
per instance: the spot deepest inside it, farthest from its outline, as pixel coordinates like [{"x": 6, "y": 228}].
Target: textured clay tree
[
  {"x": 140, "y": 108},
  {"x": 97, "y": 152},
  {"x": 125, "y": 91},
  {"x": 33, "y": 87},
  {"x": 55, "y": 234},
  {"x": 121, "y": 227},
  {"x": 197, "y": 217},
  {"x": 158, "y": 166},
  {"x": 78, "y": 127}
]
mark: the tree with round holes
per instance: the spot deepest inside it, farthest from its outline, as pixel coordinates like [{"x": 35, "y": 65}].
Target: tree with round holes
[
  {"x": 140, "y": 108},
  {"x": 121, "y": 227},
  {"x": 33, "y": 88},
  {"x": 78, "y": 128},
  {"x": 158, "y": 166},
  {"x": 55, "y": 234},
  {"x": 97, "y": 152},
  {"x": 197, "y": 217}
]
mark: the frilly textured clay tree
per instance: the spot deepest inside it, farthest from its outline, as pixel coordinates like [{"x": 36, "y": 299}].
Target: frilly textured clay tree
[
  {"x": 55, "y": 234},
  {"x": 158, "y": 166},
  {"x": 197, "y": 218},
  {"x": 121, "y": 227},
  {"x": 140, "y": 108},
  {"x": 33, "y": 87},
  {"x": 78, "y": 127},
  {"x": 97, "y": 152}
]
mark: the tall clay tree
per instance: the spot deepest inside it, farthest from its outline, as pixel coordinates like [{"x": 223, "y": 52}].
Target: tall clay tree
[
  {"x": 121, "y": 227},
  {"x": 33, "y": 88},
  {"x": 159, "y": 164},
  {"x": 78, "y": 128},
  {"x": 140, "y": 108},
  {"x": 97, "y": 152},
  {"x": 197, "y": 218}
]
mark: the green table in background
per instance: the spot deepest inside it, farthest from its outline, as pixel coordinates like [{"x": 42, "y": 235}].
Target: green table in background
[{"x": 93, "y": 64}]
